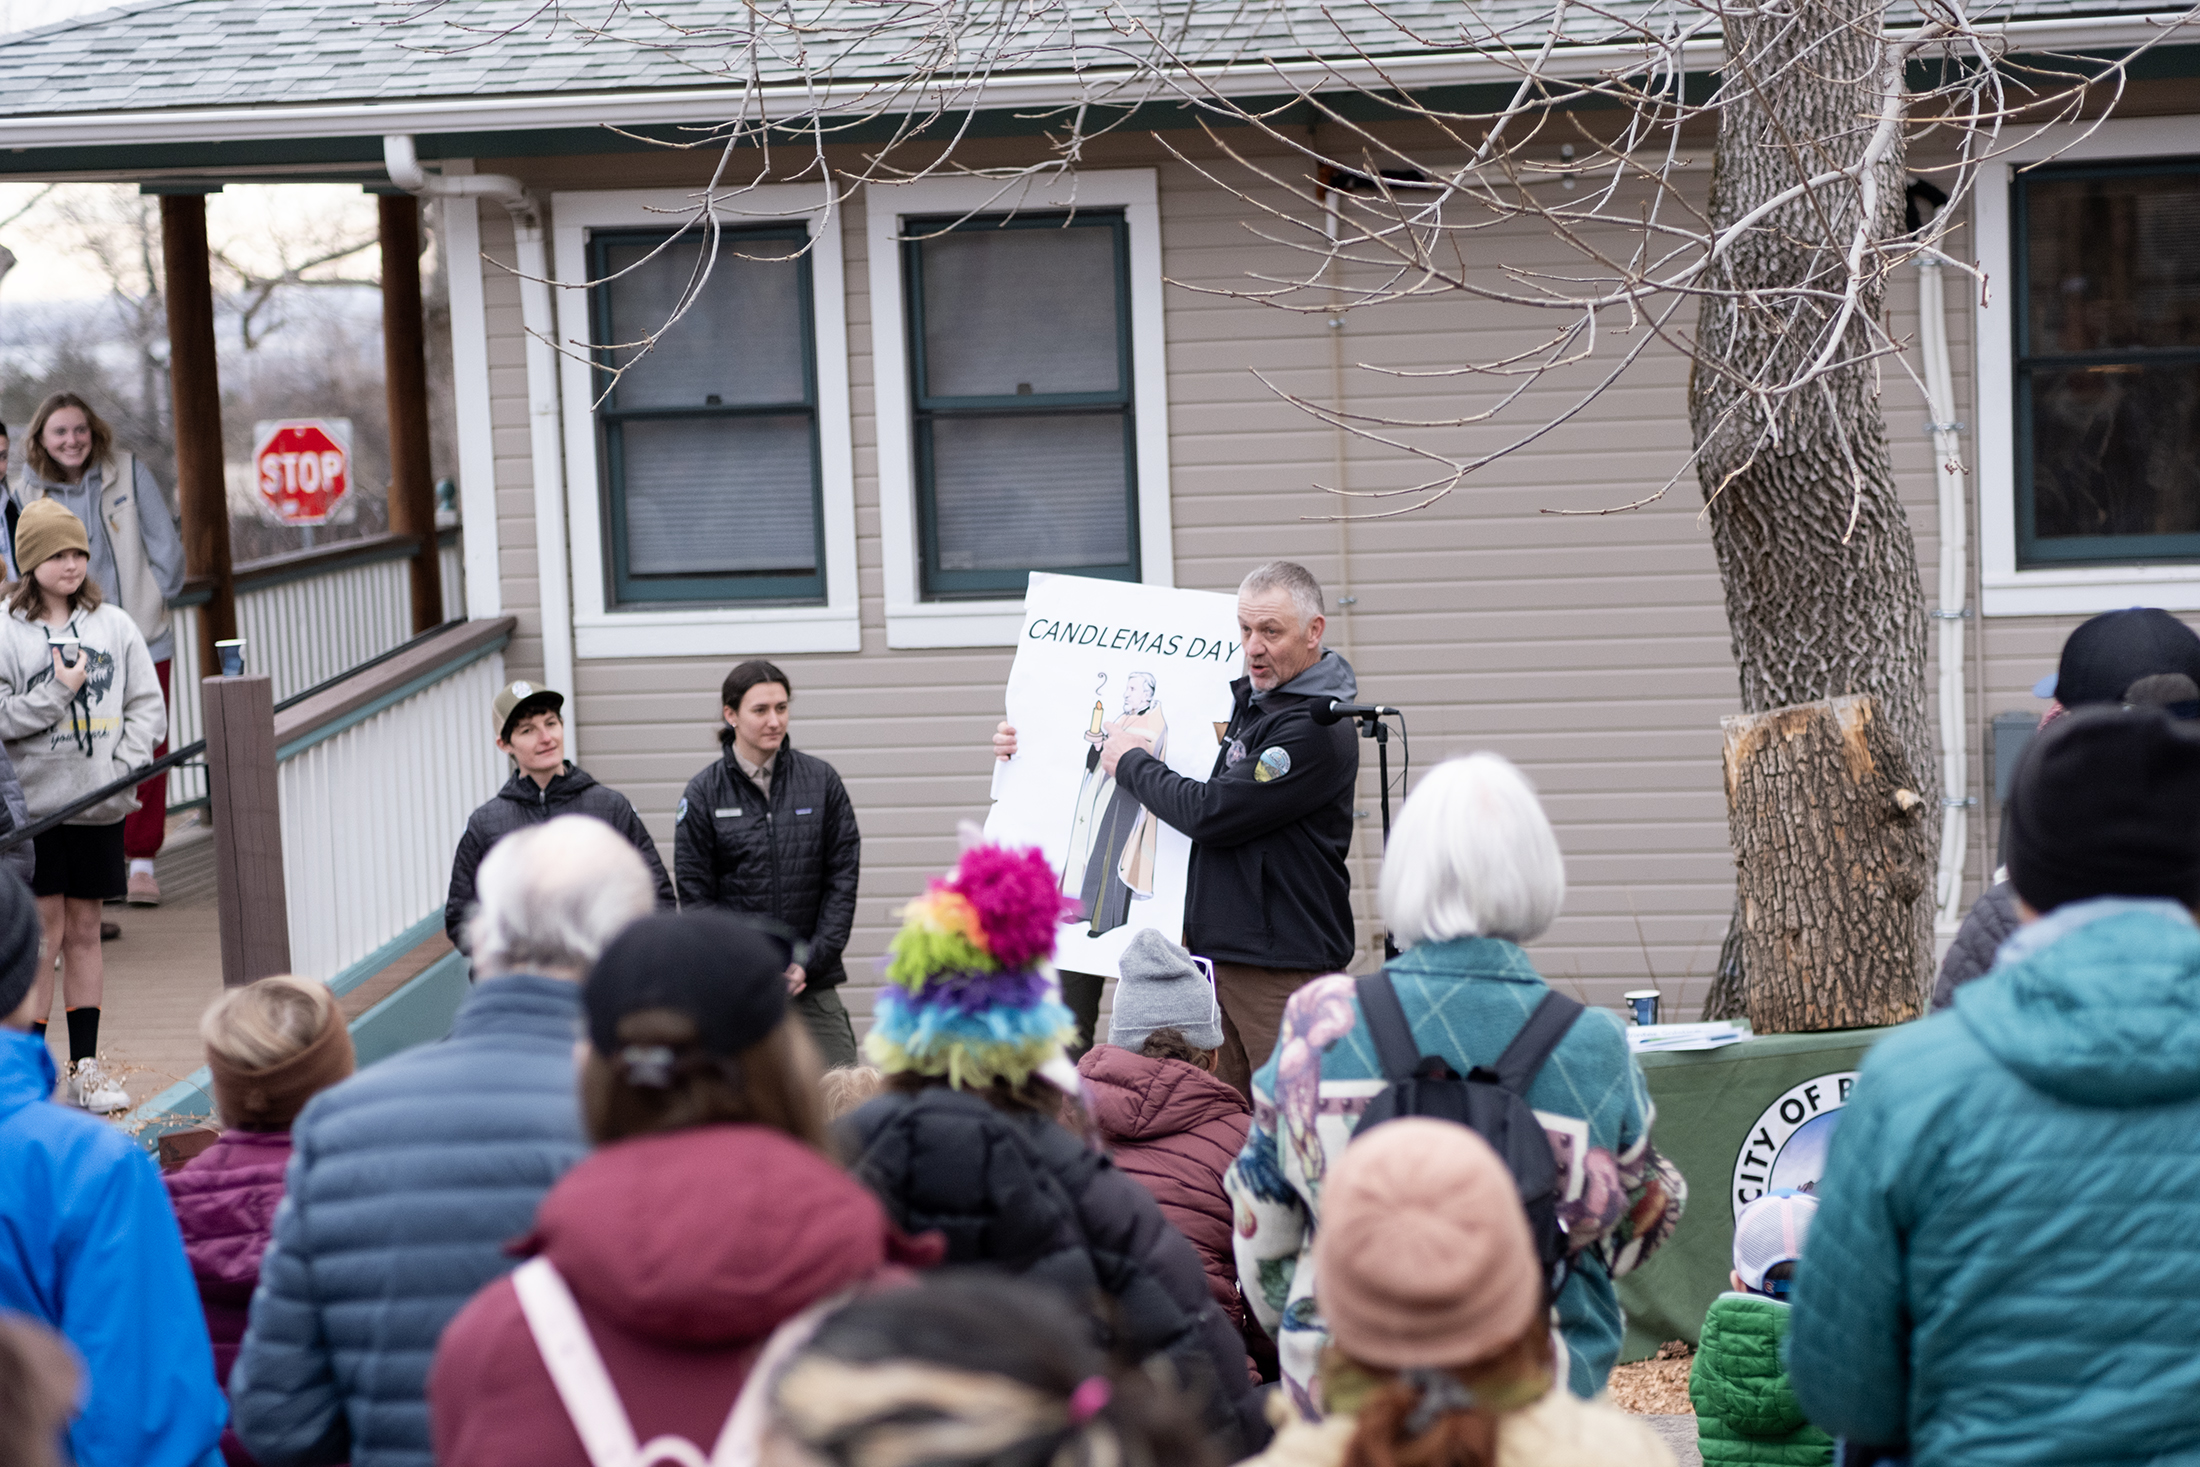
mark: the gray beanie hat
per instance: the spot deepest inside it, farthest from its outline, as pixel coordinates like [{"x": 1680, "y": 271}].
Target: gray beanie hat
[
  {"x": 1160, "y": 988},
  {"x": 19, "y": 936}
]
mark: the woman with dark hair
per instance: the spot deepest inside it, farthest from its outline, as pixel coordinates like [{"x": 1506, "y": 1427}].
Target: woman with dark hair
[
  {"x": 971, "y": 1370},
  {"x": 1443, "y": 1349},
  {"x": 768, "y": 829},
  {"x": 979, "y": 1137},
  {"x": 79, "y": 709},
  {"x": 709, "y": 1214},
  {"x": 70, "y": 456}
]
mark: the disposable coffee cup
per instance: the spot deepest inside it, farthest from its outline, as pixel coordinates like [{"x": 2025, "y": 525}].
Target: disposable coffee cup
[
  {"x": 70, "y": 649},
  {"x": 232, "y": 655},
  {"x": 1644, "y": 1003}
]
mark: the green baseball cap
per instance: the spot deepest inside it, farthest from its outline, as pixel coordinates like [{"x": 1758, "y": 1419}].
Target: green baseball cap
[{"x": 515, "y": 700}]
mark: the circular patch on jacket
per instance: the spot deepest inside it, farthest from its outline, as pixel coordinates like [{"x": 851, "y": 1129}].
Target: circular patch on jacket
[
  {"x": 681, "y": 813},
  {"x": 1786, "y": 1146},
  {"x": 1275, "y": 763}
]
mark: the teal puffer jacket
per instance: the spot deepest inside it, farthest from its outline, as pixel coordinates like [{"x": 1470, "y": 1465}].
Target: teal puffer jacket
[
  {"x": 1746, "y": 1413},
  {"x": 2005, "y": 1264}
]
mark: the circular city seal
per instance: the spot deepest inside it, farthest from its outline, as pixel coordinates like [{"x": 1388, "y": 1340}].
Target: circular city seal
[
  {"x": 1275, "y": 763},
  {"x": 1786, "y": 1146}
]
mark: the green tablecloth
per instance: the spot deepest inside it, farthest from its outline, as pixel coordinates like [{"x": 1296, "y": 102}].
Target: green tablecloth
[{"x": 1710, "y": 1108}]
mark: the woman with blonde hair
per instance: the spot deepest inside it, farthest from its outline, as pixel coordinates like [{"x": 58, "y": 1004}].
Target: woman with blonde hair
[
  {"x": 80, "y": 708},
  {"x": 1442, "y": 1351},
  {"x": 271, "y": 1046},
  {"x": 137, "y": 562}
]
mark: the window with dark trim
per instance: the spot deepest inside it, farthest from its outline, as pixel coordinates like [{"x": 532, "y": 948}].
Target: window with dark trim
[
  {"x": 1020, "y": 378},
  {"x": 709, "y": 439},
  {"x": 2107, "y": 363}
]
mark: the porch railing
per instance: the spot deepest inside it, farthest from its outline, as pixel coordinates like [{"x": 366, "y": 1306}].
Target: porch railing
[{"x": 305, "y": 617}]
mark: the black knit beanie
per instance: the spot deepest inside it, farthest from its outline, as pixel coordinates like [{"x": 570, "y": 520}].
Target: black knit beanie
[
  {"x": 2106, "y": 802},
  {"x": 18, "y": 942},
  {"x": 725, "y": 974}
]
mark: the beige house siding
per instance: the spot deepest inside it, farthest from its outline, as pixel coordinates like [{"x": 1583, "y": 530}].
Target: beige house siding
[{"x": 1592, "y": 650}]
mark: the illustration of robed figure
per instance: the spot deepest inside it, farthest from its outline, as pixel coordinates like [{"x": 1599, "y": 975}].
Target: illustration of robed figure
[{"x": 1113, "y": 837}]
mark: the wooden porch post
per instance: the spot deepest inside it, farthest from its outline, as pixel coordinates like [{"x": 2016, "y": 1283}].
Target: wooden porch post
[
  {"x": 202, "y": 490},
  {"x": 405, "y": 373},
  {"x": 243, "y": 789}
]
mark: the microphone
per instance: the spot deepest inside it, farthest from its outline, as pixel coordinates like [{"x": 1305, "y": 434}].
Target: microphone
[{"x": 1335, "y": 711}]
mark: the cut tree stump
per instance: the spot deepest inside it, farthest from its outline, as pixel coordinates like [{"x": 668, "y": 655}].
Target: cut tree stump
[{"x": 1834, "y": 852}]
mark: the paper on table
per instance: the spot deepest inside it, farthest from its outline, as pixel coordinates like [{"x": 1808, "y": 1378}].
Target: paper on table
[{"x": 1665, "y": 1038}]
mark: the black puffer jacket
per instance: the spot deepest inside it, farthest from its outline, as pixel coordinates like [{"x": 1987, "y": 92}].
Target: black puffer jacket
[
  {"x": 522, "y": 803},
  {"x": 1988, "y": 925},
  {"x": 1270, "y": 828},
  {"x": 795, "y": 860},
  {"x": 1021, "y": 1193}
]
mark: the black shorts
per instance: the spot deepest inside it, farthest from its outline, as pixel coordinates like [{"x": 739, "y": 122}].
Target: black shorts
[{"x": 82, "y": 861}]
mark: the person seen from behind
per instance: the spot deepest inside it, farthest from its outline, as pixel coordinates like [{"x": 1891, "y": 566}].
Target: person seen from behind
[
  {"x": 92, "y": 1250},
  {"x": 768, "y": 829},
  {"x": 1168, "y": 1121},
  {"x": 72, "y": 460},
  {"x": 1746, "y": 1412},
  {"x": 848, "y": 1088},
  {"x": 971, "y": 1369},
  {"x": 708, "y": 1215},
  {"x": 2141, "y": 655},
  {"x": 2002, "y": 1266},
  {"x": 977, "y": 1136},
  {"x": 39, "y": 1383},
  {"x": 407, "y": 1180},
  {"x": 1472, "y": 873},
  {"x": 271, "y": 1046},
  {"x": 1442, "y": 1351},
  {"x": 79, "y": 708},
  {"x": 530, "y": 724}
]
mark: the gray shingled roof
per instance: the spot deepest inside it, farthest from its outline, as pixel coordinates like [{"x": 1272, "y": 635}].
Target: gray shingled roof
[{"x": 158, "y": 54}]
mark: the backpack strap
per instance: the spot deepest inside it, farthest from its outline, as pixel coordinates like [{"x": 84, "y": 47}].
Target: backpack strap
[
  {"x": 576, "y": 1368},
  {"x": 1387, "y": 1026},
  {"x": 1523, "y": 1059}
]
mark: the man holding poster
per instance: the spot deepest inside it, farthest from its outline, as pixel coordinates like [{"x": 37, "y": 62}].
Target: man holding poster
[{"x": 1269, "y": 897}]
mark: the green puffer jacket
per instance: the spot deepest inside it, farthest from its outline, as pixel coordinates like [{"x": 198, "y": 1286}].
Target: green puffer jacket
[
  {"x": 1746, "y": 1412},
  {"x": 2005, "y": 1265}
]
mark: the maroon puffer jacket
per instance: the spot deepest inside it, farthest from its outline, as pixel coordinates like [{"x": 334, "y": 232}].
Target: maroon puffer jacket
[
  {"x": 684, "y": 1251},
  {"x": 1175, "y": 1128}
]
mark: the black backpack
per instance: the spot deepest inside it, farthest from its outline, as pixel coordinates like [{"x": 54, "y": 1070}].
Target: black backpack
[{"x": 1490, "y": 1101}]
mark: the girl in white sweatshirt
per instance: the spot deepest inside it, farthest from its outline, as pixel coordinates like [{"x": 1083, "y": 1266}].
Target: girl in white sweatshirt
[{"x": 80, "y": 707}]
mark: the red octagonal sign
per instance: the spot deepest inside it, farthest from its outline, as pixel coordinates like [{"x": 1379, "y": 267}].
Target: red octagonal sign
[{"x": 302, "y": 467}]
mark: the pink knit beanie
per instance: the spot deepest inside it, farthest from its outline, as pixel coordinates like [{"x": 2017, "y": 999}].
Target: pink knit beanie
[{"x": 1423, "y": 1257}]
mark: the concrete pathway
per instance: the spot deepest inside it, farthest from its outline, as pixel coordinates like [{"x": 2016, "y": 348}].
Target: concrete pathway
[{"x": 1678, "y": 1433}]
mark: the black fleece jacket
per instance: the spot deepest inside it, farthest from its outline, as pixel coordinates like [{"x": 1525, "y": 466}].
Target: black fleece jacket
[
  {"x": 521, "y": 803},
  {"x": 795, "y": 858},
  {"x": 1270, "y": 828}
]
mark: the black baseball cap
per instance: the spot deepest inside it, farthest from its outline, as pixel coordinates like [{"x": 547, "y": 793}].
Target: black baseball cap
[
  {"x": 727, "y": 975},
  {"x": 2106, "y": 656}
]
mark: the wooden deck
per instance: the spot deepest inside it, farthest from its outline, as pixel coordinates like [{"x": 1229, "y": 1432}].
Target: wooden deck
[{"x": 166, "y": 968}]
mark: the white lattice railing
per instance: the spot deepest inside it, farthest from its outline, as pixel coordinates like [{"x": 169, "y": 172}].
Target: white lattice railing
[
  {"x": 303, "y": 625},
  {"x": 375, "y": 797}
]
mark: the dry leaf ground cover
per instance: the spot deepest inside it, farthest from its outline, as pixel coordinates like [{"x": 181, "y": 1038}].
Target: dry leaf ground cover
[{"x": 1657, "y": 1386}]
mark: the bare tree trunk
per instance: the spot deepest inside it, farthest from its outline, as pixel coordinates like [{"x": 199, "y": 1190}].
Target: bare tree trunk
[
  {"x": 1834, "y": 851},
  {"x": 1814, "y": 549}
]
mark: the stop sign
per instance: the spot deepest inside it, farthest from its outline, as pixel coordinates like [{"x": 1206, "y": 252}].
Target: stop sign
[{"x": 302, "y": 467}]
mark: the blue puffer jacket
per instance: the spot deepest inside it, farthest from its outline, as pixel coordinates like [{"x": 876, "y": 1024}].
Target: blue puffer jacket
[
  {"x": 88, "y": 1247},
  {"x": 2005, "y": 1266},
  {"x": 406, "y": 1181}
]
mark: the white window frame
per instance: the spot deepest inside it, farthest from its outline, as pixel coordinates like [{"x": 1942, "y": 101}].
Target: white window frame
[
  {"x": 602, "y": 631},
  {"x": 2074, "y": 590},
  {"x": 912, "y": 621}
]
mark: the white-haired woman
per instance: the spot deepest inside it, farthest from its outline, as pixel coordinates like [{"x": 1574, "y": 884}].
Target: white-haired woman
[{"x": 1472, "y": 872}]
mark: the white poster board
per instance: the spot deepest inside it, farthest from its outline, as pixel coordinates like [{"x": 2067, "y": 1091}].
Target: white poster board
[{"x": 1091, "y": 656}]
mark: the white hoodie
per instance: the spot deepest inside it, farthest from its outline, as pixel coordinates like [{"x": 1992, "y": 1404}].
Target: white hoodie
[{"x": 65, "y": 747}]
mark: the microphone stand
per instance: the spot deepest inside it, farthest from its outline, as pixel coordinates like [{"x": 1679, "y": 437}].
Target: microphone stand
[{"x": 1373, "y": 727}]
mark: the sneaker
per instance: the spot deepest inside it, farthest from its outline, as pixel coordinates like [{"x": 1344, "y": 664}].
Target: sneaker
[
  {"x": 144, "y": 891},
  {"x": 90, "y": 1089},
  {"x": 108, "y": 932}
]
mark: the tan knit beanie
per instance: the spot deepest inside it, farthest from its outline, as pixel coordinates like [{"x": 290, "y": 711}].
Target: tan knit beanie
[
  {"x": 1423, "y": 1257},
  {"x": 44, "y": 531},
  {"x": 270, "y": 1099}
]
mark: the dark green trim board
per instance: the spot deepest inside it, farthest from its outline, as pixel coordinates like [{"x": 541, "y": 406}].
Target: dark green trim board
[
  {"x": 789, "y": 585},
  {"x": 937, "y": 582}
]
